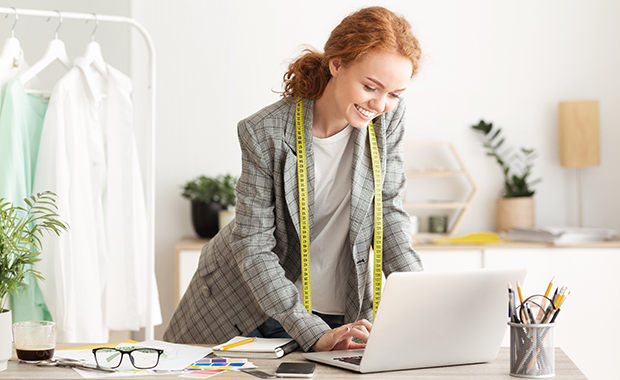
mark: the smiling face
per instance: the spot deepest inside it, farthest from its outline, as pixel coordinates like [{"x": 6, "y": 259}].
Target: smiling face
[{"x": 369, "y": 87}]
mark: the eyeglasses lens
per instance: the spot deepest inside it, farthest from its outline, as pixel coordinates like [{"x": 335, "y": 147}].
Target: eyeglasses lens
[
  {"x": 108, "y": 358},
  {"x": 144, "y": 358}
]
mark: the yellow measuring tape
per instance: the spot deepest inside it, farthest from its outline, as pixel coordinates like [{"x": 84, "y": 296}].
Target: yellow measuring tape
[{"x": 302, "y": 183}]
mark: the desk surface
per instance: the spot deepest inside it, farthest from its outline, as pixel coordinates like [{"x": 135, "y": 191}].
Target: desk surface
[
  {"x": 565, "y": 369},
  {"x": 615, "y": 243}
]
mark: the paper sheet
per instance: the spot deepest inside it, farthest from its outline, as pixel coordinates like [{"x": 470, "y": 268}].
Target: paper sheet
[{"x": 176, "y": 358}]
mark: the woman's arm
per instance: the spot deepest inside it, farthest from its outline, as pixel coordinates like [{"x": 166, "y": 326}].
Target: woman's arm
[
  {"x": 254, "y": 240},
  {"x": 398, "y": 252}
]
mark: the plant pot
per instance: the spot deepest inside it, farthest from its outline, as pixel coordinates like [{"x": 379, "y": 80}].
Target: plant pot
[
  {"x": 226, "y": 216},
  {"x": 6, "y": 338},
  {"x": 515, "y": 213},
  {"x": 205, "y": 218}
]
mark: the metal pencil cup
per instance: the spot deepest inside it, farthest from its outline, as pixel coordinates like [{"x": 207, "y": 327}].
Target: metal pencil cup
[{"x": 532, "y": 351}]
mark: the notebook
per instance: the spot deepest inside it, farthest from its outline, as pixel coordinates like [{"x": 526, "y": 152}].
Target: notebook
[
  {"x": 431, "y": 319},
  {"x": 260, "y": 348}
]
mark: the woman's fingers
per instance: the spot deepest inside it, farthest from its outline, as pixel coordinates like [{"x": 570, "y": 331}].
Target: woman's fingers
[
  {"x": 365, "y": 323},
  {"x": 355, "y": 346},
  {"x": 359, "y": 331},
  {"x": 341, "y": 337},
  {"x": 340, "y": 333}
]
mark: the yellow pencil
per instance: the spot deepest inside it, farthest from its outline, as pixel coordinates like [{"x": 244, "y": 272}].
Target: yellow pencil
[
  {"x": 239, "y": 343},
  {"x": 519, "y": 291},
  {"x": 561, "y": 296},
  {"x": 564, "y": 298},
  {"x": 543, "y": 304},
  {"x": 549, "y": 287}
]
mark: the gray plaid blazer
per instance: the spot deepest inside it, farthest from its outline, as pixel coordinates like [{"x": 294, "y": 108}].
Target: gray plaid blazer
[{"x": 247, "y": 272}]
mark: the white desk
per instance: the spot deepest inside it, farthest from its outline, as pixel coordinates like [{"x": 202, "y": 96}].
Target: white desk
[
  {"x": 589, "y": 270},
  {"x": 498, "y": 369}
]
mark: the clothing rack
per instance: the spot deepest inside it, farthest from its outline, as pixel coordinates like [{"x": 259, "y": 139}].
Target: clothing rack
[{"x": 150, "y": 172}]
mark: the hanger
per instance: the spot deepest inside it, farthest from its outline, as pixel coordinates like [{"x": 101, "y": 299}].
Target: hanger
[
  {"x": 12, "y": 50},
  {"x": 92, "y": 55},
  {"x": 55, "y": 52}
]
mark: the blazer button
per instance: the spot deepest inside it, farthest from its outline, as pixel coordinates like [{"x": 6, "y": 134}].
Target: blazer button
[{"x": 205, "y": 291}]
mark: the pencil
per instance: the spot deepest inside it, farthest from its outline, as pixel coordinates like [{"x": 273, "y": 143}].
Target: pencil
[
  {"x": 564, "y": 296},
  {"x": 561, "y": 296},
  {"x": 519, "y": 291},
  {"x": 549, "y": 287},
  {"x": 560, "y": 302},
  {"x": 543, "y": 304},
  {"x": 237, "y": 344}
]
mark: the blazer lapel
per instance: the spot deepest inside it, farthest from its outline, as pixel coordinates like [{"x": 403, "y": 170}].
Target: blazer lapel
[{"x": 362, "y": 183}]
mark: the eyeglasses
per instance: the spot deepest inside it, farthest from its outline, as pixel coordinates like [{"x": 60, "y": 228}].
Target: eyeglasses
[{"x": 141, "y": 357}]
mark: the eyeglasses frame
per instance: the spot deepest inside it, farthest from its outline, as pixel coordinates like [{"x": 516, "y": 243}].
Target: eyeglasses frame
[{"x": 128, "y": 351}]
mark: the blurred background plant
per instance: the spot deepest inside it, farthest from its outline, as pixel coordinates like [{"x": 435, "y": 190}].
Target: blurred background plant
[
  {"x": 516, "y": 164},
  {"x": 220, "y": 189}
]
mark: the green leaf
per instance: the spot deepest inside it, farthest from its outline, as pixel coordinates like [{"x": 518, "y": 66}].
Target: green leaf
[
  {"x": 516, "y": 165},
  {"x": 20, "y": 243}
]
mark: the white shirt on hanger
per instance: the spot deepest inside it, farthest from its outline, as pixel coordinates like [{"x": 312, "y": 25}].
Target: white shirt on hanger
[
  {"x": 95, "y": 273},
  {"x": 13, "y": 63}
]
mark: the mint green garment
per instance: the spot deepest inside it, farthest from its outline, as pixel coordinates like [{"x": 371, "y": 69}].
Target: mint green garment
[{"x": 21, "y": 121}]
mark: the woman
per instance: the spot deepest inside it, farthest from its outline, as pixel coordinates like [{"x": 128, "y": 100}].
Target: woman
[{"x": 248, "y": 280}]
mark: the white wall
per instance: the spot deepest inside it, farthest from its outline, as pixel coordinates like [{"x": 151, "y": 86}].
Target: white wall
[
  {"x": 507, "y": 62},
  {"x": 34, "y": 33}
]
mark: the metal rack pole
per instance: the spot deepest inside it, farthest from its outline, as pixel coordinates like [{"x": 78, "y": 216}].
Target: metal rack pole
[{"x": 150, "y": 173}]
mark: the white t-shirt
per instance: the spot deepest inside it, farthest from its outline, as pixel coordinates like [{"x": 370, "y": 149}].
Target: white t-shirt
[{"x": 330, "y": 249}]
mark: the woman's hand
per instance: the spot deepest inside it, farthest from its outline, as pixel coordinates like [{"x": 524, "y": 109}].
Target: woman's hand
[{"x": 340, "y": 337}]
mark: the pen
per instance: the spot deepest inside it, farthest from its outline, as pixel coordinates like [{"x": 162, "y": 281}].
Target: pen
[
  {"x": 237, "y": 344},
  {"x": 557, "y": 311},
  {"x": 555, "y": 295},
  {"x": 529, "y": 313},
  {"x": 543, "y": 304},
  {"x": 550, "y": 309},
  {"x": 512, "y": 313}
]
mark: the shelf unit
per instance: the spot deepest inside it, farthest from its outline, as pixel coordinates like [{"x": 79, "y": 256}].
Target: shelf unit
[{"x": 454, "y": 168}]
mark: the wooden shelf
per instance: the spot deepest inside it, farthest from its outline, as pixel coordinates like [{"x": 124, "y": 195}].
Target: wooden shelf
[
  {"x": 436, "y": 173},
  {"x": 461, "y": 170},
  {"x": 436, "y": 205}
]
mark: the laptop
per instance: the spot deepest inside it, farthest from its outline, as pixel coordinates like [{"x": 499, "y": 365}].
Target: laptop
[{"x": 431, "y": 319}]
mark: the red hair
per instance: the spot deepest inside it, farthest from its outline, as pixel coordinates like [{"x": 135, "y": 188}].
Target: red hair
[{"x": 369, "y": 29}]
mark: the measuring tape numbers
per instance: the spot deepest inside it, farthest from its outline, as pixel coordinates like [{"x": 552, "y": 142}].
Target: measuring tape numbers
[{"x": 302, "y": 182}]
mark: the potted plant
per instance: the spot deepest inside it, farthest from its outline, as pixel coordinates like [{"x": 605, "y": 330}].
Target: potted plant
[
  {"x": 212, "y": 199},
  {"x": 515, "y": 206},
  {"x": 20, "y": 246}
]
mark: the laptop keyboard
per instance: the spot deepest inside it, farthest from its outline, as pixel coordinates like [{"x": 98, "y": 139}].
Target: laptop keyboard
[{"x": 350, "y": 359}]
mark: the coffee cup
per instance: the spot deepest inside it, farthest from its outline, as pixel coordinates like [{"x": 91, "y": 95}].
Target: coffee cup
[{"x": 34, "y": 340}]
